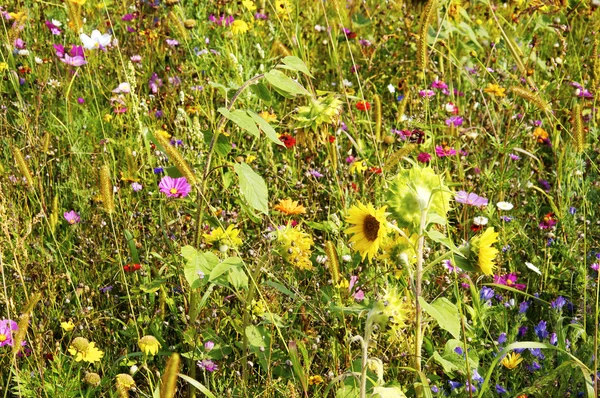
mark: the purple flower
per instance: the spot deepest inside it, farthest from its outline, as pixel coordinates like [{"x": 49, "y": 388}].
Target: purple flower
[
  {"x": 426, "y": 93},
  {"x": 53, "y": 28},
  {"x": 424, "y": 157},
  {"x": 455, "y": 121},
  {"x": 315, "y": 173},
  {"x": 172, "y": 42},
  {"x": 175, "y": 187},
  {"x": 470, "y": 387},
  {"x": 501, "y": 338},
  {"x": 19, "y": 44},
  {"x": 439, "y": 85},
  {"x": 158, "y": 170},
  {"x": 74, "y": 61},
  {"x": 514, "y": 157},
  {"x": 509, "y": 280},
  {"x": 454, "y": 385},
  {"x": 534, "y": 366},
  {"x": 476, "y": 377},
  {"x": 136, "y": 186},
  {"x": 59, "y": 49},
  {"x": 106, "y": 289},
  {"x": 72, "y": 217},
  {"x": 553, "y": 339},
  {"x": 486, "y": 293},
  {"x": 471, "y": 199},
  {"x": 522, "y": 331},
  {"x": 444, "y": 151},
  {"x": 545, "y": 185},
  {"x": 506, "y": 218},
  {"x": 459, "y": 350},
  {"x": 209, "y": 345},
  {"x": 259, "y": 16},
  {"x": 558, "y": 303},
  {"x": 537, "y": 352},
  {"x": 540, "y": 330},
  {"x": 500, "y": 389},
  {"x": 7, "y": 328},
  {"x": 154, "y": 83},
  {"x": 435, "y": 389},
  {"x": 208, "y": 365}
]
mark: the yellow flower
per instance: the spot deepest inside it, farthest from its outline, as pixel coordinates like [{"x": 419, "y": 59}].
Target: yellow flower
[
  {"x": 289, "y": 206},
  {"x": 295, "y": 247},
  {"x": 369, "y": 228},
  {"x": 540, "y": 134},
  {"x": 93, "y": 379},
  {"x": 315, "y": 380},
  {"x": 283, "y": 8},
  {"x": 18, "y": 16},
  {"x": 67, "y": 326},
  {"x": 357, "y": 166},
  {"x": 239, "y": 27},
  {"x": 486, "y": 253},
  {"x": 512, "y": 360},
  {"x": 250, "y": 159},
  {"x": 124, "y": 384},
  {"x": 495, "y": 90},
  {"x": 268, "y": 116},
  {"x": 149, "y": 345},
  {"x": 249, "y": 4},
  {"x": 3, "y": 66},
  {"x": 107, "y": 118},
  {"x": 78, "y": 2},
  {"x": 227, "y": 237},
  {"x": 83, "y": 350}
]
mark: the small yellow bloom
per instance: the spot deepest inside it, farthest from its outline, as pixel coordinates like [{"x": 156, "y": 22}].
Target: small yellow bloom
[
  {"x": 18, "y": 16},
  {"x": 289, "y": 206},
  {"x": 149, "y": 345},
  {"x": 268, "y": 116},
  {"x": 315, "y": 380},
  {"x": 249, "y": 4},
  {"x": 540, "y": 134},
  {"x": 67, "y": 326},
  {"x": 357, "y": 167},
  {"x": 250, "y": 159},
  {"x": 227, "y": 237},
  {"x": 512, "y": 360},
  {"x": 3, "y": 66},
  {"x": 239, "y": 27},
  {"x": 83, "y": 350},
  {"x": 124, "y": 383},
  {"x": 495, "y": 90},
  {"x": 107, "y": 118},
  {"x": 78, "y": 2}
]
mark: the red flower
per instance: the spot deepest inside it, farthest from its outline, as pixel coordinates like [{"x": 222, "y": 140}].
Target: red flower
[
  {"x": 376, "y": 170},
  {"x": 331, "y": 138},
  {"x": 363, "y": 106},
  {"x": 132, "y": 267},
  {"x": 287, "y": 140}
]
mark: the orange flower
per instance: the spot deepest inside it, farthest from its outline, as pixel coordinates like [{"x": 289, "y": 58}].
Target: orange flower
[
  {"x": 363, "y": 106},
  {"x": 289, "y": 206},
  {"x": 540, "y": 134}
]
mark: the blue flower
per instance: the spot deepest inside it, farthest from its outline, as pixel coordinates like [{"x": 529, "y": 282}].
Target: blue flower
[
  {"x": 500, "y": 389},
  {"x": 553, "y": 339},
  {"x": 534, "y": 366},
  {"x": 477, "y": 377},
  {"x": 458, "y": 350},
  {"x": 558, "y": 303},
  {"x": 537, "y": 352},
  {"x": 502, "y": 338},
  {"x": 523, "y": 307},
  {"x": 435, "y": 389},
  {"x": 158, "y": 170},
  {"x": 522, "y": 331},
  {"x": 540, "y": 330},
  {"x": 470, "y": 387},
  {"x": 486, "y": 293},
  {"x": 454, "y": 385}
]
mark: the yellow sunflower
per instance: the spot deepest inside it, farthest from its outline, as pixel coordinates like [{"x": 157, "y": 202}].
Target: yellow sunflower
[
  {"x": 512, "y": 360},
  {"x": 369, "y": 228},
  {"x": 289, "y": 206},
  {"x": 486, "y": 253}
]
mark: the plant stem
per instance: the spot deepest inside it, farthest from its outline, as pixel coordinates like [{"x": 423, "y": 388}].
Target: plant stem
[{"x": 418, "y": 286}]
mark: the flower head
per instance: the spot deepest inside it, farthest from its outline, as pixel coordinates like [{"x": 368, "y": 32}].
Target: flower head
[
  {"x": 495, "y": 90},
  {"x": 84, "y": 350},
  {"x": 72, "y": 217},
  {"x": 509, "y": 280},
  {"x": 481, "y": 247},
  {"x": 368, "y": 230},
  {"x": 295, "y": 246},
  {"x": 149, "y": 345},
  {"x": 96, "y": 40},
  {"x": 506, "y": 206},
  {"x": 208, "y": 365},
  {"x": 92, "y": 379},
  {"x": 124, "y": 383},
  {"x": 67, "y": 326},
  {"x": 220, "y": 236},
  {"x": 174, "y": 187},
  {"x": 471, "y": 199},
  {"x": 512, "y": 360},
  {"x": 239, "y": 27},
  {"x": 290, "y": 207},
  {"x": 7, "y": 329}
]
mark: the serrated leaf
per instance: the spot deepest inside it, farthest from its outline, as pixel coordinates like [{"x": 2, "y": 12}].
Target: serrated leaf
[
  {"x": 266, "y": 128},
  {"x": 445, "y": 313},
  {"x": 283, "y": 83},
  {"x": 253, "y": 187},
  {"x": 241, "y": 119},
  {"x": 295, "y": 63}
]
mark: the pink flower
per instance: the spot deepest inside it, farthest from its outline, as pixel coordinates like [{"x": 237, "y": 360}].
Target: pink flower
[
  {"x": 443, "y": 151},
  {"x": 471, "y": 199},
  {"x": 175, "y": 187},
  {"x": 7, "y": 328},
  {"x": 424, "y": 157},
  {"x": 426, "y": 93},
  {"x": 72, "y": 217},
  {"x": 509, "y": 280}
]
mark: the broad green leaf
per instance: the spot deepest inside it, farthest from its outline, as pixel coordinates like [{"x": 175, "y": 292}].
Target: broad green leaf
[
  {"x": 252, "y": 187},
  {"x": 195, "y": 265},
  {"x": 238, "y": 278},
  {"x": 347, "y": 391},
  {"x": 224, "y": 267},
  {"x": 241, "y": 119},
  {"x": 262, "y": 92},
  {"x": 283, "y": 83},
  {"x": 197, "y": 385},
  {"x": 266, "y": 128},
  {"x": 257, "y": 336},
  {"x": 449, "y": 367},
  {"x": 295, "y": 63},
  {"x": 388, "y": 392},
  {"x": 445, "y": 313}
]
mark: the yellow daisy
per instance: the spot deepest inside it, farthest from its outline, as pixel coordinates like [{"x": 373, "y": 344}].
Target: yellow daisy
[
  {"x": 289, "y": 207},
  {"x": 512, "y": 360},
  {"x": 67, "y": 326},
  {"x": 239, "y": 27},
  {"x": 149, "y": 345},
  {"x": 486, "y": 253},
  {"x": 83, "y": 350},
  {"x": 249, "y": 4},
  {"x": 369, "y": 228},
  {"x": 495, "y": 90}
]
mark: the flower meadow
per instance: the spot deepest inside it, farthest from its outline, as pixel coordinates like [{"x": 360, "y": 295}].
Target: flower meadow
[{"x": 260, "y": 198}]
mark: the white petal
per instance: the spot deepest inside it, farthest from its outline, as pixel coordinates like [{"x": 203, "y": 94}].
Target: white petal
[{"x": 533, "y": 268}]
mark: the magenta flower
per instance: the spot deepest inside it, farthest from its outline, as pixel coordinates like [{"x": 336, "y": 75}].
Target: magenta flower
[
  {"x": 426, "y": 93},
  {"x": 208, "y": 365},
  {"x": 74, "y": 61},
  {"x": 175, "y": 187},
  {"x": 72, "y": 217},
  {"x": 509, "y": 280},
  {"x": 424, "y": 157},
  {"x": 7, "y": 329},
  {"x": 454, "y": 121},
  {"x": 439, "y": 85},
  {"x": 444, "y": 151},
  {"x": 471, "y": 199}
]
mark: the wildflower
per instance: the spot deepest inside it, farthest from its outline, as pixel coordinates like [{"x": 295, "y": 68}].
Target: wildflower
[
  {"x": 509, "y": 280},
  {"x": 522, "y": 331},
  {"x": 451, "y": 108},
  {"x": 514, "y": 157},
  {"x": 534, "y": 366},
  {"x": 208, "y": 365},
  {"x": 283, "y": 8},
  {"x": 455, "y": 121},
  {"x": 249, "y": 4},
  {"x": 454, "y": 385},
  {"x": 501, "y": 338},
  {"x": 172, "y": 42},
  {"x": 459, "y": 350},
  {"x": 540, "y": 135},
  {"x": 124, "y": 383},
  {"x": 268, "y": 116},
  {"x": 480, "y": 221},
  {"x": 486, "y": 293},
  {"x": 438, "y": 84},
  {"x": 443, "y": 151},
  {"x": 289, "y": 207},
  {"x": 124, "y": 88},
  {"x": 209, "y": 345},
  {"x": 287, "y": 140},
  {"x": 7, "y": 329},
  {"x": 512, "y": 360},
  {"x": 424, "y": 157},
  {"x": 548, "y": 221},
  {"x": 53, "y": 26},
  {"x": 553, "y": 339},
  {"x": 67, "y": 326},
  {"x": 92, "y": 379},
  {"x": 471, "y": 199},
  {"x": 357, "y": 167},
  {"x": 482, "y": 247},
  {"x": 540, "y": 330},
  {"x": 315, "y": 379},
  {"x": 558, "y": 303},
  {"x": 175, "y": 187},
  {"x": 500, "y": 389},
  {"x": 363, "y": 105},
  {"x": 295, "y": 246},
  {"x": 220, "y": 237},
  {"x": 149, "y": 345},
  {"x": 72, "y": 217},
  {"x": 239, "y": 27},
  {"x": 495, "y": 90},
  {"x": 136, "y": 187},
  {"x": 96, "y": 40},
  {"x": 537, "y": 352},
  {"x": 315, "y": 173},
  {"x": 84, "y": 350},
  {"x": 506, "y": 206},
  {"x": 76, "y": 61},
  {"x": 368, "y": 230}
]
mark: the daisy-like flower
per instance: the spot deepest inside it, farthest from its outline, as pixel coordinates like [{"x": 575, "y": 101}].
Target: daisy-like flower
[
  {"x": 506, "y": 206},
  {"x": 149, "y": 345},
  {"x": 239, "y": 27},
  {"x": 509, "y": 280},
  {"x": 289, "y": 206},
  {"x": 84, "y": 350},
  {"x": 67, "y": 326},
  {"x": 7, "y": 328},
  {"x": 368, "y": 230},
  {"x": 482, "y": 247},
  {"x": 92, "y": 379},
  {"x": 471, "y": 199},
  {"x": 220, "y": 237},
  {"x": 495, "y": 90},
  {"x": 249, "y": 4},
  {"x": 175, "y": 187},
  {"x": 96, "y": 40},
  {"x": 512, "y": 360},
  {"x": 124, "y": 383},
  {"x": 72, "y": 217}
]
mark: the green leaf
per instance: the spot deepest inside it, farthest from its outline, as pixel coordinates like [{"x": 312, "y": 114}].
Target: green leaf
[
  {"x": 388, "y": 392},
  {"x": 222, "y": 146},
  {"x": 449, "y": 367},
  {"x": 445, "y": 313},
  {"x": 197, "y": 385},
  {"x": 295, "y": 63},
  {"x": 238, "y": 278},
  {"x": 132, "y": 248},
  {"x": 258, "y": 337},
  {"x": 360, "y": 20},
  {"x": 195, "y": 263},
  {"x": 241, "y": 119},
  {"x": 283, "y": 83},
  {"x": 224, "y": 267},
  {"x": 262, "y": 92},
  {"x": 266, "y": 128},
  {"x": 252, "y": 187}
]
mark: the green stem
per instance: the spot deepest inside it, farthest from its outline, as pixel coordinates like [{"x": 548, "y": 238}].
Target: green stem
[
  {"x": 365, "y": 356},
  {"x": 418, "y": 288}
]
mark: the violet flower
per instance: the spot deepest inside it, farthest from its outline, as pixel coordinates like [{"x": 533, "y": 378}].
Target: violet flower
[
  {"x": 175, "y": 187},
  {"x": 471, "y": 199}
]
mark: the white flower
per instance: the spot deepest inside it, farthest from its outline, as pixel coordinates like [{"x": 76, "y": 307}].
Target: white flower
[
  {"x": 391, "y": 88},
  {"x": 24, "y": 52},
  {"x": 504, "y": 206},
  {"x": 38, "y": 60},
  {"x": 347, "y": 83},
  {"x": 56, "y": 23},
  {"x": 480, "y": 220},
  {"x": 123, "y": 88},
  {"x": 98, "y": 40}
]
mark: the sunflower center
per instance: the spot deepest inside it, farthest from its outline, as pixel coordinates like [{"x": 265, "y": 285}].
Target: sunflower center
[{"x": 371, "y": 228}]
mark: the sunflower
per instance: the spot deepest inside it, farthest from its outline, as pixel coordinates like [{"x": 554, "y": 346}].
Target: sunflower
[
  {"x": 369, "y": 228},
  {"x": 486, "y": 253},
  {"x": 289, "y": 207},
  {"x": 512, "y": 360}
]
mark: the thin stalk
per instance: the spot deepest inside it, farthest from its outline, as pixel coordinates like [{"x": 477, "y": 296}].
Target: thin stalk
[
  {"x": 418, "y": 288},
  {"x": 365, "y": 341}
]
